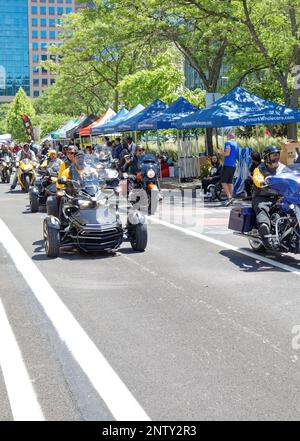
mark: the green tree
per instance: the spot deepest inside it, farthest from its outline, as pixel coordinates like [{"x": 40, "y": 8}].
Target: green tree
[
  {"x": 20, "y": 105},
  {"x": 3, "y": 112},
  {"x": 49, "y": 122}
]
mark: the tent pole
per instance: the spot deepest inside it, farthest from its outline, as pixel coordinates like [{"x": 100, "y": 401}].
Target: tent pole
[
  {"x": 217, "y": 140},
  {"x": 178, "y": 154}
]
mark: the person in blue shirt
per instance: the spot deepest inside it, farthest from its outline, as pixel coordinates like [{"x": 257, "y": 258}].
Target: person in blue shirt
[{"x": 230, "y": 154}]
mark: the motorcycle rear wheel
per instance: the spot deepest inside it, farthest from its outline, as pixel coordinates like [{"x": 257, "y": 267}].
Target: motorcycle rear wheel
[{"x": 257, "y": 246}]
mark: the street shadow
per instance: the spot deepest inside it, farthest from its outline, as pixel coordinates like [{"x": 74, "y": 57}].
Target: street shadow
[
  {"x": 75, "y": 254},
  {"x": 70, "y": 254},
  {"x": 249, "y": 264}
]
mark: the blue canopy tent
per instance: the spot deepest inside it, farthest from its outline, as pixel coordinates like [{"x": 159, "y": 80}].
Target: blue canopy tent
[
  {"x": 102, "y": 128},
  {"x": 181, "y": 108},
  {"x": 240, "y": 108},
  {"x": 130, "y": 125},
  {"x": 114, "y": 126}
]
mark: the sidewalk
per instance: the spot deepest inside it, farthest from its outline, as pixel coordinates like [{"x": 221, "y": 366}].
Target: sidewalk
[{"x": 174, "y": 184}]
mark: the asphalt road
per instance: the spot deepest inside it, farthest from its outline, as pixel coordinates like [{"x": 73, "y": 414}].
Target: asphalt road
[{"x": 194, "y": 329}]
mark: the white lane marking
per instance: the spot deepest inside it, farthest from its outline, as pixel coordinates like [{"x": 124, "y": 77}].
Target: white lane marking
[
  {"x": 221, "y": 244},
  {"x": 104, "y": 379},
  {"x": 21, "y": 395}
]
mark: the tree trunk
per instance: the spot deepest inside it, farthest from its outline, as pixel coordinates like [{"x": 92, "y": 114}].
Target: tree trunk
[
  {"x": 209, "y": 142},
  {"x": 292, "y": 131},
  {"x": 116, "y": 103}
]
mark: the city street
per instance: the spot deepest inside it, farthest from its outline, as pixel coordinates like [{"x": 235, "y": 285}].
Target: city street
[{"x": 195, "y": 328}]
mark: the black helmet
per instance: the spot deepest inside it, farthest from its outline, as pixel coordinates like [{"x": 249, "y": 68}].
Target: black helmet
[
  {"x": 72, "y": 148},
  {"x": 269, "y": 150}
]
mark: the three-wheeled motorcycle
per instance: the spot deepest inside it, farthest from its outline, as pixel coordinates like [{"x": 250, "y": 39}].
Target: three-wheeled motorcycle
[{"x": 88, "y": 217}]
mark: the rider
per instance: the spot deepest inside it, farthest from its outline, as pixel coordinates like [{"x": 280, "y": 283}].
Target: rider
[
  {"x": 25, "y": 153},
  {"x": 264, "y": 197},
  {"x": 68, "y": 160},
  {"x": 74, "y": 171},
  {"x": 5, "y": 151},
  {"x": 52, "y": 162},
  {"x": 132, "y": 163}
]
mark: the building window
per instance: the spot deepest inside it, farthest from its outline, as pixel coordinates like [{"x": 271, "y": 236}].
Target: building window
[
  {"x": 34, "y": 10},
  {"x": 43, "y": 22},
  {"x": 69, "y": 1},
  {"x": 35, "y": 46},
  {"x": 51, "y": 22},
  {"x": 44, "y": 82},
  {"x": 35, "y": 69},
  {"x": 43, "y": 10},
  {"x": 36, "y": 82},
  {"x": 35, "y": 58},
  {"x": 36, "y": 93},
  {"x": 52, "y": 1},
  {"x": 51, "y": 11},
  {"x": 52, "y": 81},
  {"x": 34, "y": 34},
  {"x": 53, "y": 57},
  {"x": 43, "y": 34},
  {"x": 59, "y": 1},
  {"x": 44, "y": 70},
  {"x": 60, "y": 11},
  {"x": 34, "y": 21},
  {"x": 68, "y": 10},
  {"x": 52, "y": 35},
  {"x": 43, "y": 57}
]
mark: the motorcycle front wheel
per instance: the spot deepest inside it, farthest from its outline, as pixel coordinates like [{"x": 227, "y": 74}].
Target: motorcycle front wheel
[{"x": 26, "y": 184}]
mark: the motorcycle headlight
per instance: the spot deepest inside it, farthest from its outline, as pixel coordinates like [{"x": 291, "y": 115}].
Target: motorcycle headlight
[
  {"x": 4, "y": 163},
  {"x": 84, "y": 204},
  {"x": 112, "y": 174},
  {"x": 151, "y": 174}
]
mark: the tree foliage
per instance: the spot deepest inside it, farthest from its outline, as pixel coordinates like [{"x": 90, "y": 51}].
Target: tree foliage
[{"x": 20, "y": 105}]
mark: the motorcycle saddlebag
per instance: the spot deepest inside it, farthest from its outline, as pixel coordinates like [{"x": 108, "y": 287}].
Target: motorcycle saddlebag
[{"x": 242, "y": 219}]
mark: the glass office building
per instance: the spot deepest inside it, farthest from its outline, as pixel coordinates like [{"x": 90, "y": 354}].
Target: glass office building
[
  {"x": 14, "y": 48},
  {"x": 27, "y": 28}
]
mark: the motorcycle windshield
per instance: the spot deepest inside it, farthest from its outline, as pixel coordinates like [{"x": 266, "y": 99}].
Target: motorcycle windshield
[
  {"x": 90, "y": 181},
  {"x": 103, "y": 153},
  {"x": 286, "y": 183}
]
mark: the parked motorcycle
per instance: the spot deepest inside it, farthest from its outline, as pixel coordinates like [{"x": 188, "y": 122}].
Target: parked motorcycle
[
  {"x": 284, "y": 215},
  {"x": 88, "y": 221},
  {"x": 25, "y": 173},
  {"x": 5, "y": 168}
]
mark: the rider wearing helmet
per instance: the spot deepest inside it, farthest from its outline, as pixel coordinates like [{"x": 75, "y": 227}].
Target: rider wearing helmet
[
  {"x": 264, "y": 196},
  {"x": 74, "y": 171},
  {"x": 52, "y": 161},
  {"x": 25, "y": 153},
  {"x": 4, "y": 151},
  {"x": 68, "y": 160}
]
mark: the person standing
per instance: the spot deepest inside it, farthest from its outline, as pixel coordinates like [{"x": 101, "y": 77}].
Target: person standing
[
  {"x": 131, "y": 147},
  {"x": 230, "y": 154}
]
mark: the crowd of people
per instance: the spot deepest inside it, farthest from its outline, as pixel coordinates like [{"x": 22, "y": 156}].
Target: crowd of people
[{"x": 129, "y": 155}]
